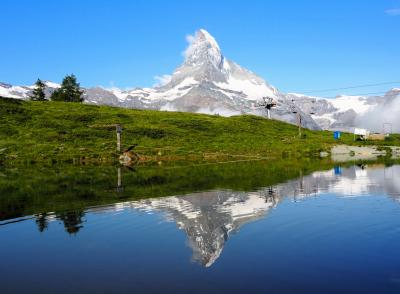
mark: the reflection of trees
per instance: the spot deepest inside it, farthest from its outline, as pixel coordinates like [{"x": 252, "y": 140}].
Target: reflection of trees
[
  {"x": 270, "y": 194},
  {"x": 42, "y": 221},
  {"x": 72, "y": 220}
]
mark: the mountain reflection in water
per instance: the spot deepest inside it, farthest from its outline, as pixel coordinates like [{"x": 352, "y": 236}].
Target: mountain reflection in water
[{"x": 210, "y": 218}]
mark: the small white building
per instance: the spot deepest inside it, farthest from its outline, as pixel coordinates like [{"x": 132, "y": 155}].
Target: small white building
[{"x": 363, "y": 134}]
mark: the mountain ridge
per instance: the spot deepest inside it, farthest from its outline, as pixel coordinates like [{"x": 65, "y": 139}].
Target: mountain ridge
[{"x": 208, "y": 82}]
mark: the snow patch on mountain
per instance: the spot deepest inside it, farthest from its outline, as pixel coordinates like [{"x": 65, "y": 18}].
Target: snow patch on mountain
[
  {"x": 50, "y": 84},
  {"x": 10, "y": 91},
  {"x": 357, "y": 103}
]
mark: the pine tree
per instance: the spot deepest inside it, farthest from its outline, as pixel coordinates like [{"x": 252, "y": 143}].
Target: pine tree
[
  {"x": 38, "y": 92},
  {"x": 69, "y": 91}
]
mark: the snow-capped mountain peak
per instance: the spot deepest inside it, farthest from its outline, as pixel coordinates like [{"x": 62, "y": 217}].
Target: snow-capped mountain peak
[
  {"x": 206, "y": 67},
  {"x": 203, "y": 49}
]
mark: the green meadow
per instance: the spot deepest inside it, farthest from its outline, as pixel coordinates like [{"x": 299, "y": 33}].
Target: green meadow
[{"x": 32, "y": 131}]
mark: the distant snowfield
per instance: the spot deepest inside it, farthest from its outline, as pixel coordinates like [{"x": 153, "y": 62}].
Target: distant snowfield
[
  {"x": 356, "y": 103},
  {"x": 19, "y": 92},
  {"x": 252, "y": 90}
]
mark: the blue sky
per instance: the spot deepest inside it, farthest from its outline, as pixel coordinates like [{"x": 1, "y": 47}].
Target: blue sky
[{"x": 295, "y": 45}]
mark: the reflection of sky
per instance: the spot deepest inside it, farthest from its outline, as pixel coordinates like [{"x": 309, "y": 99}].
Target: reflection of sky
[{"x": 323, "y": 243}]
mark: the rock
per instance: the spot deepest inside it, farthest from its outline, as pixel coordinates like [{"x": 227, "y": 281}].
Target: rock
[
  {"x": 129, "y": 158},
  {"x": 342, "y": 153},
  {"x": 323, "y": 154}
]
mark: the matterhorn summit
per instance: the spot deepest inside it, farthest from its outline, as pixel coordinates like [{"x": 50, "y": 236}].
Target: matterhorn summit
[
  {"x": 205, "y": 63},
  {"x": 202, "y": 49}
]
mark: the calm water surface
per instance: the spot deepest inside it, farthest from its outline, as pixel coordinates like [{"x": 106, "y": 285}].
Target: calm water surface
[{"x": 330, "y": 231}]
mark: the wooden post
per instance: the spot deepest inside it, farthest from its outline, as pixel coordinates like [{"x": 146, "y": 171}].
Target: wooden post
[
  {"x": 119, "y": 182},
  {"x": 119, "y": 132},
  {"x": 120, "y": 188}
]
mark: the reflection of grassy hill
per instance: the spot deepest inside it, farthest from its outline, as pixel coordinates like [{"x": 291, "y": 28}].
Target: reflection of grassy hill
[
  {"x": 40, "y": 131},
  {"x": 38, "y": 189}
]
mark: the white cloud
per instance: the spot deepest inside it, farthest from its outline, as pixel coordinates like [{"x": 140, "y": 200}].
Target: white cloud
[
  {"x": 388, "y": 113},
  {"x": 393, "y": 12},
  {"x": 190, "y": 39},
  {"x": 162, "y": 80}
]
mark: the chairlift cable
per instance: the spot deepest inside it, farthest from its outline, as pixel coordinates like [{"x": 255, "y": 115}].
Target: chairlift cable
[{"x": 351, "y": 87}]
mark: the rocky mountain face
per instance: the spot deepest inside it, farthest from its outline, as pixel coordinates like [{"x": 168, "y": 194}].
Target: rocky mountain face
[{"x": 209, "y": 83}]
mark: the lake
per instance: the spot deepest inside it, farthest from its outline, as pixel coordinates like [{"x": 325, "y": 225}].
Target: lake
[{"x": 249, "y": 227}]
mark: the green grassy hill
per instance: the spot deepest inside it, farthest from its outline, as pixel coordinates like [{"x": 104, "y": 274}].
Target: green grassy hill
[{"x": 57, "y": 131}]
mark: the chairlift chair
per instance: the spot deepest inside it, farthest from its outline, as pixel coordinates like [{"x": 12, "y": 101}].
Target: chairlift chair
[{"x": 312, "y": 112}]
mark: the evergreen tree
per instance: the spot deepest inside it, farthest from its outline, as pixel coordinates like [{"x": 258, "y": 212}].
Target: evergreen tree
[
  {"x": 38, "y": 92},
  {"x": 69, "y": 91}
]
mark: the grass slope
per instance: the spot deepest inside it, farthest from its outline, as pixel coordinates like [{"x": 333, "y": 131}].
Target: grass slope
[{"x": 57, "y": 131}]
